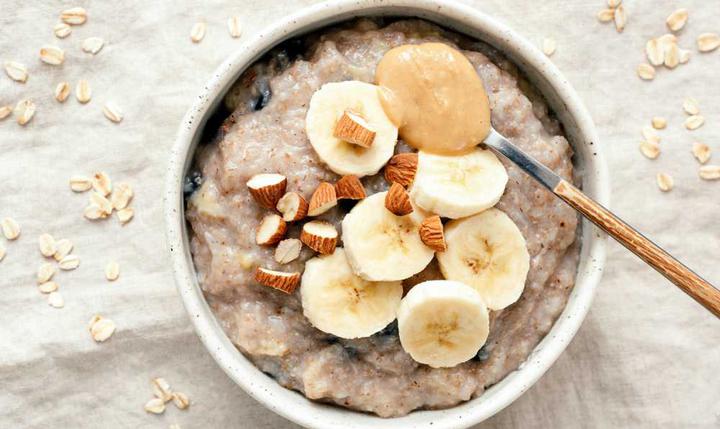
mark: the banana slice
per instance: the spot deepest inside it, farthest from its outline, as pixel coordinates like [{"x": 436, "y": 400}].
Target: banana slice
[
  {"x": 442, "y": 323},
  {"x": 327, "y": 106},
  {"x": 458, "y": 186},
  {"x": 338, "y": 302},
  {"x": 381, "y": 246},
  {"x": 488, "y": 252}
]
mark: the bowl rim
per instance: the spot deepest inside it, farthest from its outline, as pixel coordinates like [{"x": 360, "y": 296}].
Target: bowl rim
[{"x": 290, "y": 404}]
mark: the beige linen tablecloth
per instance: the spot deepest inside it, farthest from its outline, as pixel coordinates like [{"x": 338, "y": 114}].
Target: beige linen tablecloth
[{"x": 647, "y": 355}]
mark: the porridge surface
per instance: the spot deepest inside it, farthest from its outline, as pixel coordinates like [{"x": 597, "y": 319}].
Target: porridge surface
[{"x": 370, "y": 374}]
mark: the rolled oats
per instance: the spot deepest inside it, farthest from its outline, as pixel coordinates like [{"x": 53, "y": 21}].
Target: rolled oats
[
  {"x": 710, "y": 172},
  {"x": 46, "y": 243},
  {"x": 52, "y": 55},
  {"x": 10, "y": 228},
  {"x": 24, "y": 111},
  {"x": 707, "y": 42},
  {"x": 112, "y": 271},
  {"x": 676, "y": 20},
  {"x": 694, "y": 122},
  {"x": 83, "y": 92},
  {"x": 70, "y": 262},
  {"x": 45, "y": 272},
  {"x": 16, "y": 71},
  {"x": 197, "y": 33},
  {"x": 56, "y": 300},
  {"x": 62, "y": 91},
  {"x": 74, "y": 16},
  {"x": 665, "y": 182},
  {"x": 701, "y": 151},
  {"x": 62, "y": 30},
  {"x": 92, "y": 45}
]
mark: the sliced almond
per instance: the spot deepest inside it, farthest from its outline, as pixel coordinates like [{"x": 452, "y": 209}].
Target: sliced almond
[
  {"x": 125, "y": 215},
  {"x": 234, "y": 26},
  {"x": 101, "y": 182},
  {"x": 10, "y": 228},
  {"x": 62, "y": 91},
  {"x": 197, "y": 33},
  {"x": 353, "y": 128},
  {"x": 74, "y": 16},
  {"x": 181, "y": 400},
  {"x": 92, "y": 45},
  {"x": 710, "y": 172},
  {"x": 549, "y": 46},
  {"x": 322, "y": 200},
  {"x": 103, "y": 203},
  {"x": 16, "y": 71},
  {"x": 288, "y": 250},
  {"x": 694, "y": 122},
  {"x": 102, "y": 329},
  {"x": 655, "y": 52},
  {"x": 161, "y": 389},
  {"x": 286, "y": 282},
  {"x": 620, "y": 18},
  {"x": 24, "y": 111},
  {"x": 56, "y": 300},
  {"x": 48, "y": 287},
  {"x": 64, "y": 247},
  {"x": 121, "y": 196},
  {"x": 46, "y": 243},
  {"x": 665, "y": 182},
  {"x": 397, "y": 200},
  {"x": 701, "y": 152},
  {"x": 62, "y": 30},
  {"x": 292, "y": 206},
  {"x": 645, "y": 71},
  {"x": 691, "y": 106},
  {"x": 83, "y": 92},
  {"x": 5, "y": 111},
  {"x": 649, "y": 149},
  {"x": 676, "y": 20},
  {"x": 432, "y": 234},
  {"x": 320, "y": 236},
  {"x": 659, "y": 123},
  {"x": 155, "y": 406},
  {"x": 45, "y": 272},
  {"x": 270, "y": 230},
  {"x": 70, "y": 262},
  {"x": 672, "y": 56},
  {"x": 112, "y": 112},
  {"x": 52, "y": 55},
  {"x": 267, "y": 188},
  {"x": 112, "y": 271},
  {"x": 349, "y": 188},
  {"x": 606, "y": 15},
  {"x": 402, "y": 168},
  {"x": 707, "y": 42}
]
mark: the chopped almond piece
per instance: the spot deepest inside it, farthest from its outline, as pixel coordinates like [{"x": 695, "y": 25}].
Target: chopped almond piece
[
  {"x": 322, "y": 200},
  {"x": 320, "y": 236},
  {"x": 288, "y": 250},
  {"x": 432, "y": 234},
  {"x": 271, "y": 230},
  {"x": 352, "y": 128},
  {"x": 292, "y": 206},
  {"x": 282, "y": 281},
  {"x": 397, "y": 200},
  {"x": 349, "y": 188},
  {"x": 402, "y": 168},
  {"x": 267, "y": 189}
]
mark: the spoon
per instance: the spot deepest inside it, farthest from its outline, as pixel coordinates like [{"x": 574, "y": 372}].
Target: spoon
[{"x": 684, "y": 278}]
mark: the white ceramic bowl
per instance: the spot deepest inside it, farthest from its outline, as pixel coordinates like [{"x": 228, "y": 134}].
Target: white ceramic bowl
[{"x": 589, "y": 161}]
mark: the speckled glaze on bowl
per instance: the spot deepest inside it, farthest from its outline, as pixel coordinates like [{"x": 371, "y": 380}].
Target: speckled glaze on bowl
[{"x": 588, "y": 161}]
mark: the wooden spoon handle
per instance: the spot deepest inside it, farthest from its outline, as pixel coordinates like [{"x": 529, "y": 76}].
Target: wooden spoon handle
[{"x": 692, "y": 284}]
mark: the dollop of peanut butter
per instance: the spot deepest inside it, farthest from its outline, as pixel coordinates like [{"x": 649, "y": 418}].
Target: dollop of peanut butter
[{"x": 435, "y": 97}]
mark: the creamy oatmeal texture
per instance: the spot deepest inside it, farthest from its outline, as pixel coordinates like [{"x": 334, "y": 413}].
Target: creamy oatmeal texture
[{"x": 371, "y": 374}]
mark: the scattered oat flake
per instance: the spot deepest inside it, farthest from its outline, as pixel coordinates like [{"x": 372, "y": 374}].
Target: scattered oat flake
[
  {"x": 659, "y": 123},
  {"x": 646, "y": 71},
  {"x": 161, "y": 389},
  {"x": 62, "y": 30},
  {"x": 93, "y": 212},
  {"x": 121, "y": 196},
  {"x": 101, "y": 182},
  {"x": 74, "y": 16},
  {"x": 672, "y": 55},
  {"x": 694, "y": 122},
  {"x": 62, "y": 91},
  {"x": 46, "y": 243},
  {"x": 655, "y": 52},
  {"x": 620, "y": 18},
  {"x": 691, "y": 106},
  {"x": 45, "y": 272},
  {"x": 102, "y": 329},
  {"x": 5, "y": 111},
  {"x": 234, "y": 27},
  {"x": 650, "y": 135},
  {"x": 112, "y": 271},
  {"x": 16, "y": 71},
  {"x": 665, "y": 182},
  {"x": 606, "y": 15},
  {"x": 676, "y": 20},
  {"x": 155, "y": 406},
  {"x": 80, "y": 183},
  {"x": 181, "y": 400},
  {"x": 707, "y": 42},
  {"x": 83, "y": 92},
  {"x": 701, "y": 151},
  {"x": 198, "y": 32},
  {"x": 684, "y": 56},
  {"x": 70, "y": 262},
  {"x": 112, "y": 112},
  {"x": 549, "y": 46},
  {"x": 64, "y": 247},
  {"x": 92, "y": 45},
  {"x": 649, "y": 149},
  {"x": 56, "y": 300},
  {"x": 52, "y": 55},
  {"x": 24, "y": 111},
  {"x": 10, "y": 228},
  {"x": 103, "y": 203},
  {"x": 710, "y": 172},
  {"x": 125, "y": 215},
  {"x": 48, "y": 287}
]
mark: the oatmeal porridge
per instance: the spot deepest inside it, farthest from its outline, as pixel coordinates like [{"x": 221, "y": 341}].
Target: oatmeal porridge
[{"x": 269, "y": 145}]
